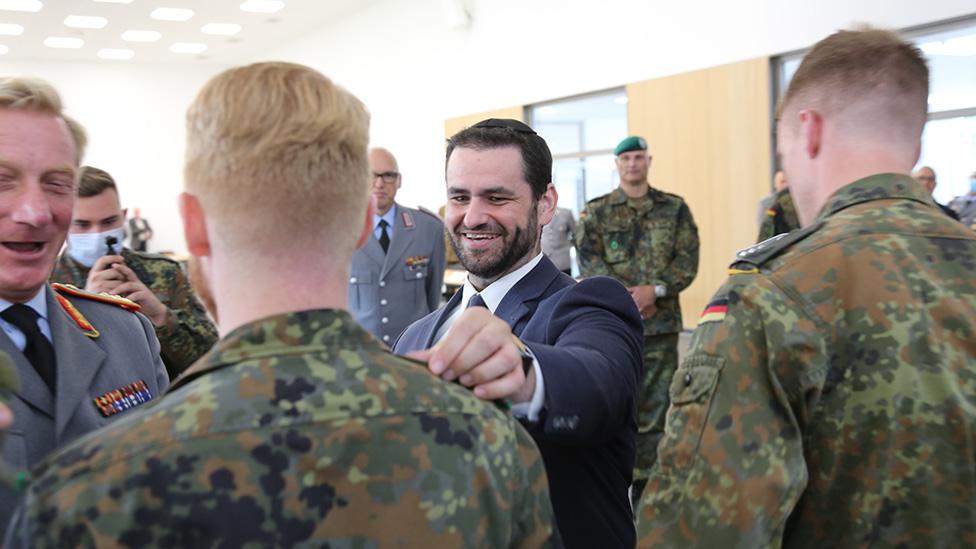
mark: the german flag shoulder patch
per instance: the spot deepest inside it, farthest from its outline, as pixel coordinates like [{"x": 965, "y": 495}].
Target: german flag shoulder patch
[
  {"x": 714, "y": 311},
  {"x": 116, "y": 300}
]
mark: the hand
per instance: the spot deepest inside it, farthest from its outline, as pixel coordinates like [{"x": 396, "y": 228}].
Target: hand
[
  {"x": 479, "y": 350},
  {"x": 111, "y": 274},
  {"x": 645, "y": 299}
]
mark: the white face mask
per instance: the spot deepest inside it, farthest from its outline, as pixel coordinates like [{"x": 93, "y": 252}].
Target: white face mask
[{"x": 87, "y": 248}]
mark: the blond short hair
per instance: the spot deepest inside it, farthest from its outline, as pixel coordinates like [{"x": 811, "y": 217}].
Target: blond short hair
[
  {"x": 277, "y": 153},
  {"x": 34, "y": 94},
  {"x": 864, "y": 67}
]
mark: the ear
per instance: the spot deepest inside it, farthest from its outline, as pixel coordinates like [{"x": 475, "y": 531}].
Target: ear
[
  {"x": 367, "y": 222},
  {"x": 125, "y": 213},
  {"x": 811, "y": 130},
  {"x": 194, "y": 225},
  {"x": 546, "y": 207}
]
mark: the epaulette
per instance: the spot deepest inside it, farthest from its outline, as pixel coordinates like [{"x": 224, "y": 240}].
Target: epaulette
[
  {"x": 430, "y": 213},
  {"x": 103, "y": 297},
  {"x": 751, "y": 258}
]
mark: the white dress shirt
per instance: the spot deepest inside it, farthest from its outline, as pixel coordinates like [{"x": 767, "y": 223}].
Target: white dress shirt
[{"x": 39, "y": 304}]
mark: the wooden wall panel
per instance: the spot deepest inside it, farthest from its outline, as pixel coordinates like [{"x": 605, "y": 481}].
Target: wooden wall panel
[
  {"x": 454, "y": 125},
  {"x": 709, "y": 135}
]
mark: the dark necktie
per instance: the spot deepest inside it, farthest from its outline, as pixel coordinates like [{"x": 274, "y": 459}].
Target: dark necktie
[
  {"x": 38, "y": 351},
  {"x": 476, "y": 301},
  {"x": 384, "y": 236}
]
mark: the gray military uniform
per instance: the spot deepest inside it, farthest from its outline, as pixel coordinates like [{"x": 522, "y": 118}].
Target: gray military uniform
[
  {"x": 387, "y": 292},
  {"x": 124, "y": 352}
]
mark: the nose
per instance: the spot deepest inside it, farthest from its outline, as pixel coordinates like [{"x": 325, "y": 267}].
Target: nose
[
  {"x": 476, "y": 213},
  {"x": 32, "y": 206}
]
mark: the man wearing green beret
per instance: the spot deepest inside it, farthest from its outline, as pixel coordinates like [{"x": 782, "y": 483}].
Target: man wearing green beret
[{"x": 647, "y": 239}]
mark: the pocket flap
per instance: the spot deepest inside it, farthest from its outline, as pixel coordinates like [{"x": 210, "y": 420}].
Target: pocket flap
[{"x": 695, "y": 378}]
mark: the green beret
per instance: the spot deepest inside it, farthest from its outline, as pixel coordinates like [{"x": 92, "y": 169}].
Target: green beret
[{"x": 632, "y": 143}]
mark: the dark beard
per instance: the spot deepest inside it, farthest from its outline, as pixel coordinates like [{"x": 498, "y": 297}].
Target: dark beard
[{"x": 521, "y": 245}]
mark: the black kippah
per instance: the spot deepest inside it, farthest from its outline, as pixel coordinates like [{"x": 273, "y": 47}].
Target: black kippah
[{"x": 508, "y": 123}]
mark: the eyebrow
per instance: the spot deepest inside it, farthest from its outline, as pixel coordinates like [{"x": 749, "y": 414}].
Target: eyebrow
[{"x": 490, "y": 190}]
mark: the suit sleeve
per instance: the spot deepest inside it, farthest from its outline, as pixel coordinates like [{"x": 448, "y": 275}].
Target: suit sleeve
[
  {"x": 435, "y": 280},
  {"x": 593, "y": 364},
  {"x": 188, "y": 333},
  {"x": 683, "y": 268},
  {"x": 158, "y": 369},
  {"x": 589, "y": 248},
  {"x": 744, "y": 386}
]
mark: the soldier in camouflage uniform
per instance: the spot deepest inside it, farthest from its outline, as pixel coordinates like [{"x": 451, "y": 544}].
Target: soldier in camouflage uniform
[
  {"x": 780, "y": 217},
  {"x": 827, "y": 399},
  {"x": 299, "y": 428},
  {"x": 157, "y": 283},
  {"x": 648, "y": 240}
]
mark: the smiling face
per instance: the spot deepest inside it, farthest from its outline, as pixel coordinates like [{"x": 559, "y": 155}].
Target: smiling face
[
  {"x": 37, "y": 192},
  {"x": 633, "y": 167},
  {"x": 493, "y": 219}
]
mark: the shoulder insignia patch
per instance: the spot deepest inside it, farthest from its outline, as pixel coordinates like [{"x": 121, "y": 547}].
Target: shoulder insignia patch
[
  {"x": 116, "y": 300},
  {"x": 762, "y": 252},
  {"x": 714, "y": 311},
  {"x": 75, "y": 314}
]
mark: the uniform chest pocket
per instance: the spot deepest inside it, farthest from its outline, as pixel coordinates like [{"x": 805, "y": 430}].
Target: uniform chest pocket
[
  {"x": 692, "y": 392},
  {"x": 414, "y": 273},
  {"x": 617, "y": 244}
]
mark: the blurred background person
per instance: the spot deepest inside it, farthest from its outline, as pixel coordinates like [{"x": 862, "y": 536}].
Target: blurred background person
[
  {"x": 557, "y": 239},
  {"x": 140, "y": 232},
  {"x": 926, "y": 176}
]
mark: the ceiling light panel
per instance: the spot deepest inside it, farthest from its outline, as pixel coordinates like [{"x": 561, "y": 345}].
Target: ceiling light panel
[
  {"x": 64, "y": 42},
  {"x": 3, "y": 49},
  {"x": 114, "y": 1},
  {"x": 21, "y": 5},
  {"x": 85, "y": 22},
  {"x": 11, "y": 29},
  {"x": 221, "y": 29},
  {"x": 188, "y": 47},
  {"x": 262, "y": 6},
  {"x": 141, "y": 36},
  {"x": 116, "y": 53},
  {"x": 171, "y": 14}
]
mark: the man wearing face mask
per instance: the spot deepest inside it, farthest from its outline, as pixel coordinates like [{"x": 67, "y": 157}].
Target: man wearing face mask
[
  {"x": 965, "y": 205},
  {"x": 96, "y": 261}
]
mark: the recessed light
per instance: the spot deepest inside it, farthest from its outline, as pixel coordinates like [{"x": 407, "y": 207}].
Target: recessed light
[
  {"x": 262, "y": 6},
  {"x": 171, "y": 14},
  {"x": 116, "y": 53},
  {"x": 11, "y": 29},
  {"x": 85, "y": 22},
  {"x": 4, "y": 49},
  {"x": 221, "y": 29},
  {"x": 21, "y": 5},
  {"x": 188, "y": 47},
  {"x": 63, "y": 42},
  {"x": 141, "y": 36}
]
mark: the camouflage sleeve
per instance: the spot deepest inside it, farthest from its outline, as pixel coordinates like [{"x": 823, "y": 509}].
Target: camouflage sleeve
[
  {"x": 682, "y": 270},
  {"x": 534, "y": 524},
  {"x": 731, "y": 465},
  {"x": 589, "y": 248},
  {"x": 767, "y": 229},
  {"x": 188, "y": 333}
]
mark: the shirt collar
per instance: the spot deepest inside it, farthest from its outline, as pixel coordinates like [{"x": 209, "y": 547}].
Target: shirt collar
[
  {"x": 497, "y": 290},
  {"x": 875, "y": 187},
  {"x": 38, "y": 303},
  {"x": 389, "y": 217}
]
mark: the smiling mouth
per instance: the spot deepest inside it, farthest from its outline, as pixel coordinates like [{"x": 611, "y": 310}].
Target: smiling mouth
[
  {"x": 479, "y": 236},
  {"x": 24, "y": 247}
]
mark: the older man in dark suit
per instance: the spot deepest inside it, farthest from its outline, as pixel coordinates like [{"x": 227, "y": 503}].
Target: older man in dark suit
[{"x": 566, "y": 354}]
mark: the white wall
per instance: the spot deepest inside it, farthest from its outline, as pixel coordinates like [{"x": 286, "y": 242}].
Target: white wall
[
  {"x": 134, "y": 118},
  {"x": 413, "y": 72}
]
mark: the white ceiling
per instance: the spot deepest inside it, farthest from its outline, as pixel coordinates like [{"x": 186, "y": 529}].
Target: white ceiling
[{"x": 259, "y": 31}]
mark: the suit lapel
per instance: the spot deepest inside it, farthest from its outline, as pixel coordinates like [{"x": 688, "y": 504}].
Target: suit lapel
[
  {"x": 442, "y": 315},
  {"x": 79, "y": 359},
  {"x": 32, "y": 390},
  {"x": 523, "y": 298},
  {"x": 374, "y": 251},
  {"x": 402, "y": 238}
]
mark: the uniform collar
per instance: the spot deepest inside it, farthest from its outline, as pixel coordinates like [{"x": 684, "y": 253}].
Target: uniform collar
[{"x": 875, "y": 187}]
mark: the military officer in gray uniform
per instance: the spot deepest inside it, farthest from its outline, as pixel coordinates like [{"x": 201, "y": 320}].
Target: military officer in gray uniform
[
  {"x": 397, "y": 275},
  {"x": 83, "y": 360}
]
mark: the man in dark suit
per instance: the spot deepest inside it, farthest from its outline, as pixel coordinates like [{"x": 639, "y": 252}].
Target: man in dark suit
[
  {"x": 567, "y": 355},
  {"x": 83, "y": 359}
]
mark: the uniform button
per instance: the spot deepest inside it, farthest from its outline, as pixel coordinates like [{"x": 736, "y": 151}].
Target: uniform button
[
  {"x": 386, "y": 338},
  {"x": 384, "y": 320},
  {"x": 382, "y": 302},
  {"x": 687, "y": 379},
  {"x": 352, "y": 280},
  {"x": 382, "y": 283}
]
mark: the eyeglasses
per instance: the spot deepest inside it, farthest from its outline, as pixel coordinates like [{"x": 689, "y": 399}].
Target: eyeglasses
[{"x": 388, "y": 177}]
